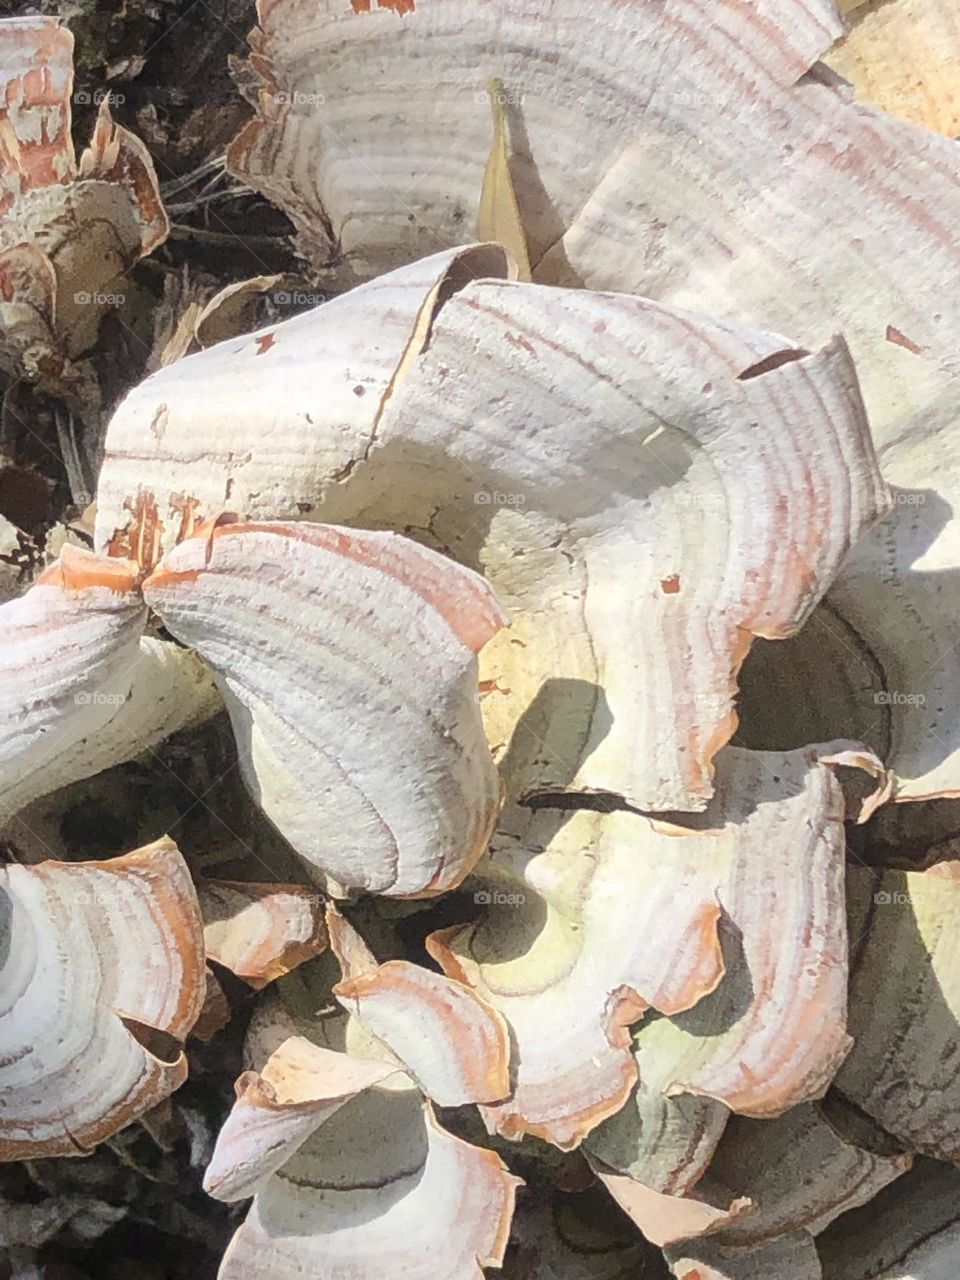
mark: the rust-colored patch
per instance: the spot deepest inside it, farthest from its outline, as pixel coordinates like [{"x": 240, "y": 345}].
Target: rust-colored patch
[
  {"x": 493, "y": 686},
  {"x": 670, "y": 586},
  {"x": 439, "y": 947},
  {"x": 265, "y": 343},
  {"x": 399, "y": 6},
  {"x": 141, "y": 537},
  {"x": 518, "y": 340},
  {"x": 77, "y": 569},
  {"x": 901, "y": 340},
  {"x": 206, "y": 531}
]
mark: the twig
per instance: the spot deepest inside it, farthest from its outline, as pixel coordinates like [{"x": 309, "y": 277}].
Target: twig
[
  {"x": 176, "y": 185},
  {"x": 180, "y": 231}
]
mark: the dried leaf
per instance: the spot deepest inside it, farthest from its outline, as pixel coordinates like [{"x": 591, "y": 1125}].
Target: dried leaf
[
  {"x": 175, "y": 317},
  {"x": 99, "y": 956},
  {"x": 226, "y": 314},
  {"x": 499, "y": 218}
]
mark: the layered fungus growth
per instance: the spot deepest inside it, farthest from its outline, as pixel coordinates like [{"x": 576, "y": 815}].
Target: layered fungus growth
[{"x": 478, "y": 779}]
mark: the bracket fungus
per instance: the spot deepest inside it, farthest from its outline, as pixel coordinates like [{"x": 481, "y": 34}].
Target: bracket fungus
[
  {"x": 353, "y": 1174},
  {"x": 81, "y": 687},
  {"x": 375, "y": 185},
  {"x": 324, "y": 722},
  {"x": 454, "y": 1044},
  {"x": 717, "y": 166},
  {"x": 580, "y": 486},
  {"x": 101, "y": 955},
  {"x": 571, "y": 970},
  {"x": 68, "y": 229},
  {"x": 570, "y": 599},
  {"x": 910, "y": 1230},
  {"x": 902, "y": 1070},
  {"x": 573, "y": 1234},
  {"x": 261, "y": 931},
  {"x": 766, "y": 1180}
]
